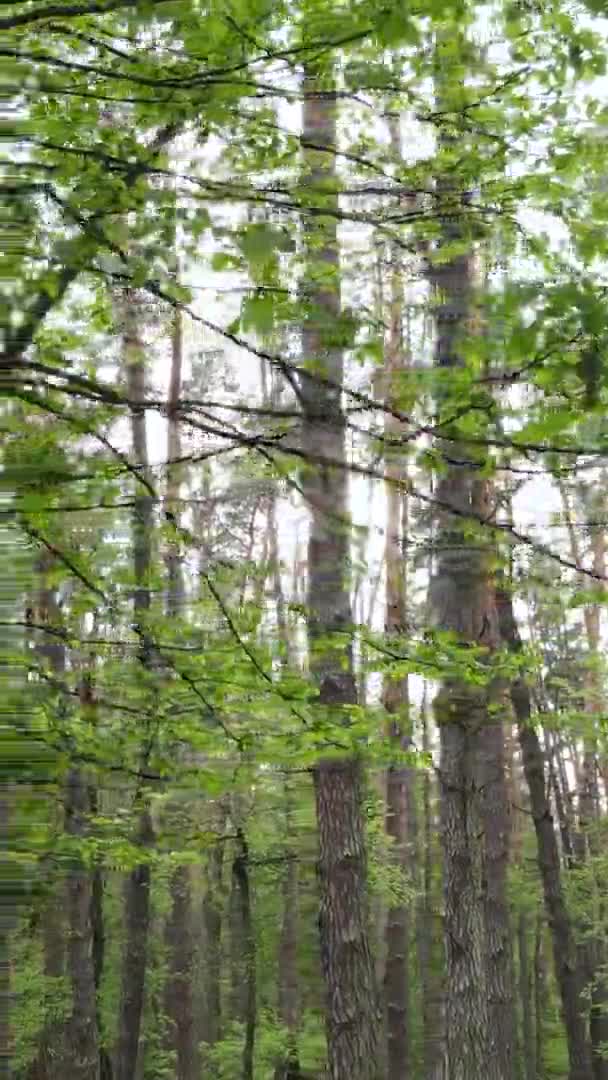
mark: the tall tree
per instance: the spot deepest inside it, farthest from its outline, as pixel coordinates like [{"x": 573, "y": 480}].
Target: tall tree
[
  {"x": 137, "y": 884},
  {"x": 352, "y": 1021}
]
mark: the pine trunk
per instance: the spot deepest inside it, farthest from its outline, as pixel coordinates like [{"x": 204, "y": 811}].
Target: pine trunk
[
  {"x": 137, "y": 885},
  {"x": 351, "y": 1012},
  {"x": 569, "y": 974}
]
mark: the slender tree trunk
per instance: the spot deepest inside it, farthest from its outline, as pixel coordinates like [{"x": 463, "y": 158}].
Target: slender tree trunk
[
  {"x": 137, "y": 885},
  {"x": 179, "y": 1005},
  {"x": 399, "y": 780},
  {"x": 212, "y": 920},
  {"x": 428, "y": 925},
  {"x": 589, "y": 802},
  {"x": 352, "y": 1020},
  {"x": 570, "y": 977},
  {"x": 242, "y": 891}
]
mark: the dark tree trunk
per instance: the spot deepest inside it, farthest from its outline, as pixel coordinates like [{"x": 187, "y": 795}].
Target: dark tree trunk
[
  {"x": 178, "y": 989},
  {"x": 212, "y": 919},
  {"x": 242, "y": 889},
  {"x": 137, "y": 924},
  {"x": 352, "y": 1009},
  {"x": 570, "y": 977}
]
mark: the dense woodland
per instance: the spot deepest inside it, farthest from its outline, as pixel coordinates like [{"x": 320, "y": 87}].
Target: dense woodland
[{"x": 304, "y": 513}]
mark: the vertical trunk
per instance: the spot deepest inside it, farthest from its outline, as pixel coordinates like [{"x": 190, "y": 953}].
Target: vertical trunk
[
  {"x": 137, "y": 922},
  {"x": 525, "y": 998},
  {"x": 399, "y": 780},
  {"x": 496, "y": 823},
  {"x": 589, "y": 803},
  {"x": 570, "y": 977},
  {"x": 137, "y": 885},
  {"x": 479, "y": 1007},
  {"x": 428, "y": 920},
  {"x": 178, "y": 989},
  {"x": 212, "y": 919},
  {"x": 179, "y": 1006},
  {"x": 345, "y": 953},
  {"x": 242, "y": 891}
]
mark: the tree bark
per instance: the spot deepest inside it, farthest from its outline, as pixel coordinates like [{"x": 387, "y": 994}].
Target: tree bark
[
  {"x": 479, "y": 1037},
  {"x": 178, "y": 988},
  {"x": 570, "y": 977},
  {"x": 352, "y": 1021},
  {"x": 212, "y": 920},
  {"x": 137, "y": 886},
  {"x": 399, "y": 780},
  {"x": 242, "y": 889}
]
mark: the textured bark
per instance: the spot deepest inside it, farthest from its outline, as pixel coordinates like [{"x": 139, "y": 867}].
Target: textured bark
[
  {"x": 472, "y": 770},
  {"x": 137, "y": 885},
  {"x": 570, "y": 977},
  {"x": 178, "y": 988},
  {"x": 497, "y": 828},
  {"x": 352, "y": 1020},
  {"x": 588, "y": 796}
]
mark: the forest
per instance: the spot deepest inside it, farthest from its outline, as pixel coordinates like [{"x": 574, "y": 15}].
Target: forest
[{"x": 304, "y": 525}]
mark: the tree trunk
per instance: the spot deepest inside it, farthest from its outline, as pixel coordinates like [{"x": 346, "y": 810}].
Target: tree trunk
[
  {"x": 497, "y": 828},
  {"x": 137, "y": 886},
  {"x": 212, "y": 919},
  {"x": 242, "y": 891},
  {"x": 179, "y": 1005},
  {"x": 178, "y": 988},
  {"x": 570, "y": 977},
  {"x": 399, "y": 780},
  {"x": 352, "y": 1021},
  {"x": 428, "y": 928},
  {"x": 462, "y": 593}
]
